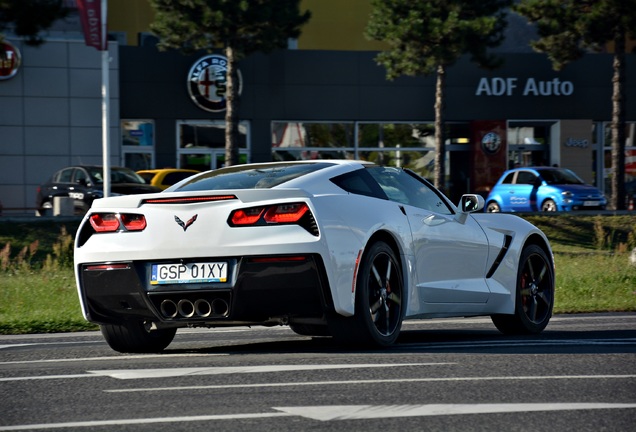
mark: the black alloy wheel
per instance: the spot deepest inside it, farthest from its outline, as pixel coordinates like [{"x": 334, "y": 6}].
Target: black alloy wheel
[
  {"x": 379, "y": 303},
  {"x": 379, "y": 295},
  {"x": 534, "y": 295}
]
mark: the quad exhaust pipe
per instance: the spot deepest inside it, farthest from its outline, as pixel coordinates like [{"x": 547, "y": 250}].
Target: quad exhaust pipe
[{"x": 200, "y": 308}]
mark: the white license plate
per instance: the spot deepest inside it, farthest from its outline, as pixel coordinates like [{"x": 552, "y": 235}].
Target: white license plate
[
  {"x": 188, "y": 273},
  {"x": 590, "y": 203}
]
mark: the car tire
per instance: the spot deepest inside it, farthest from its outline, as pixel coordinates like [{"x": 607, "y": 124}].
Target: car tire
[
  {"x": 134, "y": 337},
  {"x": 493, "y": 207},
  {"x": 534, "y": 297},
  {"x": 379, "y": 305},
  {"x": 548, "y": 206},
  {"x": 46, "y": 209}
]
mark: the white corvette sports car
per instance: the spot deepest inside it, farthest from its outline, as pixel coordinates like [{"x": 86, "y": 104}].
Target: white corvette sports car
[{"x": 346, "y": 249}]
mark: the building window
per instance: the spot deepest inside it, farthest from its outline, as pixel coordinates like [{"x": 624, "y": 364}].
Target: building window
[
  {"x": 138, "y": 144},
  {"x": 201, "y": 144},
  {"x": 408, "y": 145},
  {"x": 400, "y": 144},
  {"x": 298, "y": 141}
]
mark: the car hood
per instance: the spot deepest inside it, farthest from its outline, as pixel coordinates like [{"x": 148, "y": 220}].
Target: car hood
[{"x": 580, "y": 190}]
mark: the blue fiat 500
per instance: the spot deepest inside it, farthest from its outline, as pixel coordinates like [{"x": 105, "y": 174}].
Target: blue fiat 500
[{"x": 543, "y": 189}]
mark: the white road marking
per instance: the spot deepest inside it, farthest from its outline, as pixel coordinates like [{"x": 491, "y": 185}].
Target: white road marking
[
  {"x": 17, "y": 345},
  {"x": 46, "y": 377},
  {"x": 341, "y": 412},
  {"x": 371, "y": 381},
  {"x": 45, "y": 343},
  {"x": 358, "y": 412},
  {"x": 423, "y": 345},
  {"x": 114, "y": 357},
  {"x": 518, "y": 343},
  {"x": 178, "y": 372},
  {"x": 124, "y": 422}
]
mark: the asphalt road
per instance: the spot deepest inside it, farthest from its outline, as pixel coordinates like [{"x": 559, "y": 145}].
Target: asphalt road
[{"x": 442, "y": 375}]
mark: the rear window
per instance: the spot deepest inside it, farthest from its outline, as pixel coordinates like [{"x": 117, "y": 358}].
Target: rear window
[
  {"x": 508, "y": 179},
  {"x": 264, "y": 176}
]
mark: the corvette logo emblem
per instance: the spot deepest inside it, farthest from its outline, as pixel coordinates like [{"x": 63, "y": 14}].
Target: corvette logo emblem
[{"x": 185, "y": 225}]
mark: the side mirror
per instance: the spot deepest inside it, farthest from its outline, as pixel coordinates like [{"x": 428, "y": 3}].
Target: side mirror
[{"x": 471, "y": 203}]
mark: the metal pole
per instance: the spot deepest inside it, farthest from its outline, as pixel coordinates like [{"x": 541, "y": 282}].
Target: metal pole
[{"x": 105, "y": 104}]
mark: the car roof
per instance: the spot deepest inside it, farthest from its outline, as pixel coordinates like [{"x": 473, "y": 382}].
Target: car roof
[
  {"x": 158, "y": 170},
  {"x": 537, "y": 167},
  {"x": 91, "y": 166}
]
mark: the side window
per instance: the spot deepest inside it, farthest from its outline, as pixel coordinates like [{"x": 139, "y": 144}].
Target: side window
[
  {"x": 508, "y": 179},
  {"x": 526, "y": 177},
  {"x": 66, "y": 176},
  {"x": 404, "y": 188},
  {"x": 80, "y": 175},
  {"x": 360, "y": 182}
]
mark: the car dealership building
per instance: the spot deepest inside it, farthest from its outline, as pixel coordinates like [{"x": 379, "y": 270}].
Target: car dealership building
[{"x": 302, "y": 103}]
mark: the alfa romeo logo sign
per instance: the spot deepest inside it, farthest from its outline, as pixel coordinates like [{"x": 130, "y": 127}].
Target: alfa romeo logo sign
[
  {"x": 207, "y": 82},
  {"x": 9, "y": 60},
  {"x": 491, "y": 143}
]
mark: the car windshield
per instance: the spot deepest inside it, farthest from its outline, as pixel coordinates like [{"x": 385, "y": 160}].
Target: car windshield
[
  {"x": 560, "y": 176},
  {"x": 249, "y": 176},
  {"x": 117, "y": 175}
]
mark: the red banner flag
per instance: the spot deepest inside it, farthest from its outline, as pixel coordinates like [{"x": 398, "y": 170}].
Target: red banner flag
[{"x": 93, "y": 23}]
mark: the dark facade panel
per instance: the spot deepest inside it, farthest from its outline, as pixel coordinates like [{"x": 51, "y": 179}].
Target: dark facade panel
[{"x": 350, "y": 86}]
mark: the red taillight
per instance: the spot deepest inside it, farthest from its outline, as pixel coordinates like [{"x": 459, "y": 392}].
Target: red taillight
[
  {"x": 286, "y": 213},
  {"x": 104, "y": 222},
  {"x": 248, "y": 216},
  {"x": 275, "y": 214},
  {"x": 134, "y": 222},
  {"x": 187, "y": 200},
  {"x": 106, "y": 267},
  {"x": 112, "y": 222}
]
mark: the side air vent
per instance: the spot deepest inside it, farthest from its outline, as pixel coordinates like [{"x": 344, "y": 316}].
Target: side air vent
[{"x": 500, "y": 257}]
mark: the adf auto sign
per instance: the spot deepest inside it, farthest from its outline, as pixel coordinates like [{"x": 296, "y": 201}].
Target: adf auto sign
[{"x": 207, "y": 82}]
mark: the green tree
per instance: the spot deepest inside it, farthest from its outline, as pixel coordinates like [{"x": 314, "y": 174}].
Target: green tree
[
  {"x": 569, "y": 28},
  {"x": 428, "y": 36},
  {"x": 239, "y": 27},
  {"x": 27, "y": 18}
]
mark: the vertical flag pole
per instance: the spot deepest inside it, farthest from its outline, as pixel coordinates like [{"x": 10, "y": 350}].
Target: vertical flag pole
[{"x": 105, "y": 101}]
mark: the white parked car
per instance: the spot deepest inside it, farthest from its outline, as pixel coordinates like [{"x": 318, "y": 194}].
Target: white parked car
[{"x": 346, "y": 249}]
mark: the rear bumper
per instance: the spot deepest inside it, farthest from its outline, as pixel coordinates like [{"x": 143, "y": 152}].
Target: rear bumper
[{"x": 260, "y": 289}]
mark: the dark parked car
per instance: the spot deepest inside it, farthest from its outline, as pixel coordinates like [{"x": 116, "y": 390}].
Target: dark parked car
[
  {"x": 84, "y": 183},
  {"x": 543, "y": 189}
]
